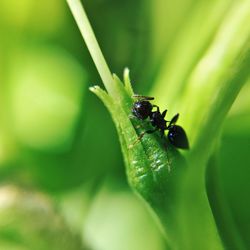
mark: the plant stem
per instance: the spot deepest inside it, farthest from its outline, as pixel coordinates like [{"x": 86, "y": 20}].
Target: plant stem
[{"x": 88, "y": 35}]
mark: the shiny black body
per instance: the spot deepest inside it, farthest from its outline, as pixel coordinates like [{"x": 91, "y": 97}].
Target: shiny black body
[
  {"x": 143, "y": 109},
  {"x": 177, "y": 135}
]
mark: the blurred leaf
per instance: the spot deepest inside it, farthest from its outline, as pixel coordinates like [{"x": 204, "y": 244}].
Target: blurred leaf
[
  {"x": 228, "y": 189},
  {"x": 28, "y": 15},
  {"x": 131, "y": 35},
  {"x": 117, "y": 220},
  {"x": 238, "y": 121},
  {"x": 227, "y": 176},
  {"x": 45, "y": 96},
  {"x": 182, "y": 32},
  {"x": 29, "y": 221}
]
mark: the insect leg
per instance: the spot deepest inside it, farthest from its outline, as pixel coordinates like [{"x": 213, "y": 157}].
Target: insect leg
[
  {"x": 141, "y": 136},
  {"x": 173, "y": 120},
  {"x": 151, "y": 131},
  {"x": 164, "y": 113}
]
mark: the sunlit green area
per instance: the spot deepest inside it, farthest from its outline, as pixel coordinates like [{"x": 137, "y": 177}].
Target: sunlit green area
[{"x": 63, "y": 181}]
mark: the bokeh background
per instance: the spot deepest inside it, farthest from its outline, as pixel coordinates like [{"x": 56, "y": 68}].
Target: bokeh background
[{"x": 63, "y": 181}]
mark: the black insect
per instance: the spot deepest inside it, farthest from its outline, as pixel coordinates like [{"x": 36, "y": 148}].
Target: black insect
[{"x": 143, "y": 109}]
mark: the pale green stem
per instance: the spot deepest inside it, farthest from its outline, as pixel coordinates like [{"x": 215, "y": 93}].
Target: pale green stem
[{"x": 92, "y": 44}]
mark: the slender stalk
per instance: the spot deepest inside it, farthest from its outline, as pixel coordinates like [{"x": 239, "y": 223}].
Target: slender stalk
[{"x": 88, "y": 35}]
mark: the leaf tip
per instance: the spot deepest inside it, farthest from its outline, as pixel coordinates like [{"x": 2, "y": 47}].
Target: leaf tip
[
  {"x": 94, "y": 88},
  {"x": 127, "y": 82}
]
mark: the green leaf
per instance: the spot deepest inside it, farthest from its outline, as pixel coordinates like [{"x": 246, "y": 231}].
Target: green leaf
[{"x": 154, "y": 167}]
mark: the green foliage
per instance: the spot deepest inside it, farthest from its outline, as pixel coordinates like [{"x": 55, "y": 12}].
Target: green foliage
[
  {"x": 56, "y": 138},
  {"x": 212, "y": 90},
  {"x": 32, "y": 225}
]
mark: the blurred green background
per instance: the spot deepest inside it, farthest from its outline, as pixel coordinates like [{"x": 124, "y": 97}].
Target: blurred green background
[{"x": 63, "y": 182}]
